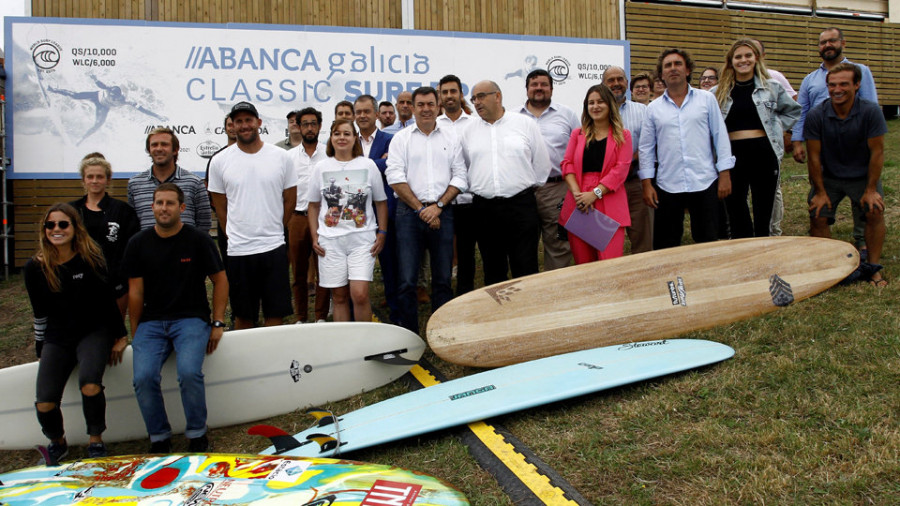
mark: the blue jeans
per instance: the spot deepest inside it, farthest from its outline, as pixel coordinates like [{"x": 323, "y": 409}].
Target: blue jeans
[
  {"x": 153, "y": 342},
  {"x": 415, "y": 236}
]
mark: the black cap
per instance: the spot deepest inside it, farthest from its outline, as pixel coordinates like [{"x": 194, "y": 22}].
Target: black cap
[{"x": 243, "y": 107}]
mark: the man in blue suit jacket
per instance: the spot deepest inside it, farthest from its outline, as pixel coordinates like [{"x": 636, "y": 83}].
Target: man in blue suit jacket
[{"x": 375, "y": 145}]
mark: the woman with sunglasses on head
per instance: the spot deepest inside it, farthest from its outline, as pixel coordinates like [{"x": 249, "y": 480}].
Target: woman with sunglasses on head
[
  {"x": 595, "y": 166},
  {"x": 110, "y": 222},
  {"x": 76, "y": 322},
  {"x": 757, "y": 111}
]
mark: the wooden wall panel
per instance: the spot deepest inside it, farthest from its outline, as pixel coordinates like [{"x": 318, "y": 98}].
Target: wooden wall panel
[
  {"x": 560, "y": 18},
  {"x": 363, "y": 13},
  {"x": 790, "y": 40},
  {"x": 33, "y": 197}
]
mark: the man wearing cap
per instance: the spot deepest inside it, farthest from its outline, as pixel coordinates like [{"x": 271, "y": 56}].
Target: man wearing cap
[
  {"x": 254, "y": 188},
  {"x": 295, "y": 137}
]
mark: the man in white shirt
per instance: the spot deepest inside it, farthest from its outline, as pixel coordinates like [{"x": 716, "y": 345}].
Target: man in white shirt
[
  {"x": 507, "y": 159},
  {"x": 305, "y": 157},
  {"x": 426, "y": 170},
  {"x": 556, "y": 122},
  {"x": 254, "y": 187},
  {"x": 464, "y": 220}
]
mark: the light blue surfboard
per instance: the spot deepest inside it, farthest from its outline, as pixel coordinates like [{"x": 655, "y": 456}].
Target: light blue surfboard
[{"x": 500, "y": 391}]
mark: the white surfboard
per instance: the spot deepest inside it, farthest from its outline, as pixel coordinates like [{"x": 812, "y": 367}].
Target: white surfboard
[{"x": 254, "y": 374}]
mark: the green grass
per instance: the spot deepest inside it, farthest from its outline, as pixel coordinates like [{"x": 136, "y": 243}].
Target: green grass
[{"x": 807, "y": 412}]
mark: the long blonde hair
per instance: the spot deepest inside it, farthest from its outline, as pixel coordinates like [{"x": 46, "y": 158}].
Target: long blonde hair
[
  {"x": 615, "y": 119},
  {"x": 82, "y": 245},
  {"x": 726, "y": 76}
]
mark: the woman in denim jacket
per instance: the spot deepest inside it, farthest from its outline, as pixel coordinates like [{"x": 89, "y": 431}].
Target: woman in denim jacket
[{"x": 757, "y": 111}]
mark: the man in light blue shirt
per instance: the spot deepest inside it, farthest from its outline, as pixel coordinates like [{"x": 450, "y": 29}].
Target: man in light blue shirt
[
  {"x": 640, "y": 233},
  {"x": 404, "y": 113},
  {"x": 814, "y": 89},
  {"x": 684, "y": 131}
]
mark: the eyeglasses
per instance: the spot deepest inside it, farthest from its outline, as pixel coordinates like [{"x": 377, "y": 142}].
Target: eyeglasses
[
  {"x": 833, "y": 40},
  {"x": 708, "y": 78},
  {"x": 63, "y": 224},
  {"x": 481, "y": 96},
  {"x": 641, "y": 87}
]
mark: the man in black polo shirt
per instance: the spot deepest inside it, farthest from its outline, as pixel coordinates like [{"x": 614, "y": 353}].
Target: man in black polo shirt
[
  {"x": 167, "y": 266},
  {"x": 845, "y": 146}
]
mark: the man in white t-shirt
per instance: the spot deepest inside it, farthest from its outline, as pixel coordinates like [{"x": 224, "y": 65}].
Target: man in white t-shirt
[{"x": 254, "y": 188}]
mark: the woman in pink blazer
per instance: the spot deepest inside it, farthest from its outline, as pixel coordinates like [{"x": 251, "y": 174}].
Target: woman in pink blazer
[{"x": 595, "y": 167}]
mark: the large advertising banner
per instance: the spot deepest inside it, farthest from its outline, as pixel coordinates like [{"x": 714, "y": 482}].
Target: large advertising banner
[{"x": 78, "y": 86}]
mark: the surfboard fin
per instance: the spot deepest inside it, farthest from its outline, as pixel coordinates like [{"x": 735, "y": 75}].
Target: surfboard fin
[
  {"x": 392, "y": 357},
  {"x": 279, "y": 438},
  {"x": 323, "y": 416},
  {"x": 326, "y": 443}
]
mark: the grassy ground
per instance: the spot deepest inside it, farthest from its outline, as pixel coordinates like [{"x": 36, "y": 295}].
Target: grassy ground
[{"x": 807, "y": 412}]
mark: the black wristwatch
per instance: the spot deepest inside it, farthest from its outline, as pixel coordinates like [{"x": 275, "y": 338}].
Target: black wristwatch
[{"x": 219, "y": 324}]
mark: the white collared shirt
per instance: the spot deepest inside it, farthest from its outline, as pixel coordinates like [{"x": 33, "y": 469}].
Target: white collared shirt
[
  {"x": 556, "y": 122},
  {"x": 504, "y": 157},
  {"x": 427, "y": 163},
  {"x": 461, "y": 122},
  {"x": 305, "y": 165},
  {"x": 367, "y": 142}
]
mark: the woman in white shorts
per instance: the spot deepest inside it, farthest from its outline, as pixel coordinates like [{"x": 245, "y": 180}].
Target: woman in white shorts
[{"x": 345, "y": 198}]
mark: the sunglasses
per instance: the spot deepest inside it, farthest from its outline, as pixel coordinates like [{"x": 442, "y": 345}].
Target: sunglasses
[{"x": 63, "y": 224}]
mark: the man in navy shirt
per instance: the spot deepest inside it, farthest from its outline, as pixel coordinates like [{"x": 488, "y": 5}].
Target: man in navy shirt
[{"x": 845, "y": 147}]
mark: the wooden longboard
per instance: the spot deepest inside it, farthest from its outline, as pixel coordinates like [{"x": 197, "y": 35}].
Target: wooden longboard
[
  {"x": 254, "y": 374},
  {"x": 497, "y": 392},
  {"x": 635, "y": 298},
  {"x": 201, "y": 479}
]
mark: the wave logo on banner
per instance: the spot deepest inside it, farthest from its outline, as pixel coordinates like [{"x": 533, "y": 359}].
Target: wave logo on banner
[
  {"x": 558, "y": 67},
  {"x": 46, "y": 54}
]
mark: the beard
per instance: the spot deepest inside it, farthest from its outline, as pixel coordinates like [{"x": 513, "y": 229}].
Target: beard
[{"x": 837, "y": 52}]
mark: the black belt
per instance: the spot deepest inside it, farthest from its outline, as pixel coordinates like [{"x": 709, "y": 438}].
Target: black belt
[
  {"x": 302, "y": 213},
  {"x": 526, "y": 191},
  {"x": 555, "y": 179}
]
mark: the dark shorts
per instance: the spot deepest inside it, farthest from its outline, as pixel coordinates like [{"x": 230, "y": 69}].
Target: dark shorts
[
  {"x": 262, "y": 277},
  {"x": 837, "y": 189}
]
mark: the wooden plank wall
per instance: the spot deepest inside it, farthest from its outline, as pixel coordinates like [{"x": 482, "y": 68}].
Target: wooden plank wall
[
  {"x": 363, "y": 13},
  {"x": 563, "y": 18},
  {"x": 31, "y": 200},
  {"x": 790, "y": 40},
  {"x": 597, "y": 19}
]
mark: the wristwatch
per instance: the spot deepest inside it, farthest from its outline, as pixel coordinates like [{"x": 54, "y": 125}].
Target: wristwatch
[
  {"x": 219, "y": 324},
  {"x": 598, "y": 193},
  {"x": 440, "y": 204}
]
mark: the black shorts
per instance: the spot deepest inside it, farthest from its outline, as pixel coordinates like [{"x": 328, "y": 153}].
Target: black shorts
[
  {"x": 837, "y": 189},
  {"x": 262, "y": 277}
]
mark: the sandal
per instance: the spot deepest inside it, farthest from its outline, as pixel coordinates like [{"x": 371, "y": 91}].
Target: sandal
[{"x": 879, "y": 283}]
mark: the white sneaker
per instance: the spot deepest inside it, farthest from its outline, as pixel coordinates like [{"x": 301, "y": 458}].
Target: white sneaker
[{"x": 321, "y": 321}]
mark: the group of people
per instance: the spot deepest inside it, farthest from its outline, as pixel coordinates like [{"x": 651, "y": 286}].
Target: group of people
[{"x": 427, "y": 188}]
